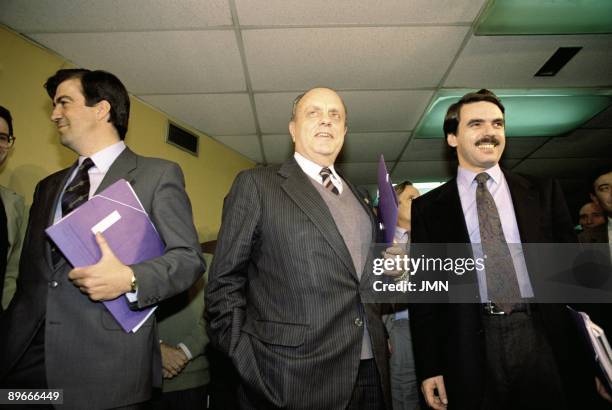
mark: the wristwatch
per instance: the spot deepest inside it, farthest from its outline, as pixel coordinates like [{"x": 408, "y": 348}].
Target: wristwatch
[{"x": 134, "y": 284}]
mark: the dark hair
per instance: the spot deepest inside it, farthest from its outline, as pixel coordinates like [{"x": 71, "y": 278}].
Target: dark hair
[
  {"x": 97, "y": 86},
  {"x": 6, "y": 115},
  {"x": 451, "y": 120},
  {"x": 399, "y": 188},
  {"x": 596, "y": 173}
]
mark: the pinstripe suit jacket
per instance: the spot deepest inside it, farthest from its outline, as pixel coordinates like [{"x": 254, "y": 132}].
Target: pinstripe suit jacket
[{"x": 284, "y": 298}]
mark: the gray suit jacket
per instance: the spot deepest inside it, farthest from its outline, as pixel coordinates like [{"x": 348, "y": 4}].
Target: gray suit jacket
[
  {"x": 16, "y": 223},
  {"x": 86, "y": 352},
  {"x": 283, "y": 297}
]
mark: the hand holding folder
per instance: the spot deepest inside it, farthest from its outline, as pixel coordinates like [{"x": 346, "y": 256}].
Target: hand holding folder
[
  {"x": 129, "y": 233},
  {"x": 105, "y": 280}
]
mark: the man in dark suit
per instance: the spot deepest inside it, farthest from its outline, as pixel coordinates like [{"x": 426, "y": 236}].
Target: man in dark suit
[
  {"x": 284, "y": 298},
  {"x": 56, "y": 333},
  {"x": 502, "y": 353}
]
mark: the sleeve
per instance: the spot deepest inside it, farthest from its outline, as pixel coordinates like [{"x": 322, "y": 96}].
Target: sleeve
[
  {"x": 426, "y": 319},
  {"x": 182, "y": 262},
  {"x": 12, "y": 265},
  {"x": 226, "y": 291}
]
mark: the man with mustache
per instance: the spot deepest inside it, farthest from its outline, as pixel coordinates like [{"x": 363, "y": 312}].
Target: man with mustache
[
  {"x": 284, "y": 297},
  {"x": 56, "y": 334},
  {"x": 502, "y": 353}
]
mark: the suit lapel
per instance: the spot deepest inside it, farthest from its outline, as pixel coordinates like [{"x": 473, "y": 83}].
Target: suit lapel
[
  {"x": 525, "y": 200},
  {"x": 306, "y": 197},
  {"x": 123, "y": 166},
  {"x": 449, "y": 214}
]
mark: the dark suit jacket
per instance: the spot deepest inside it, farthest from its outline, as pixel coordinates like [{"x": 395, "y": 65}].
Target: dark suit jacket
[
  {"x": 283, "y": 298},
  {"x": 449, "y": 339},
  {"x": 598, "y": 234},
  {"x": 86, "y": 352}
]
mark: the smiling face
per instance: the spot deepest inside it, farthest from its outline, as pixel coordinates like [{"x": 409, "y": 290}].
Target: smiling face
[
  {"x": 75, "y": 121},
  {"x": 480, "y": 138},
  {"x": 319, "y": 126}
]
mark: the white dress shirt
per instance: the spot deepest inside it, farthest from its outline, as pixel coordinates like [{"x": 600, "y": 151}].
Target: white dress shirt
[{"x": 312, "y": 170}]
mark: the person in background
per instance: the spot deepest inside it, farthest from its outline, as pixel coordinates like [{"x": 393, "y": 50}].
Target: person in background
[
  {"x": 404, "y": 385},
  {"x": 591, "y": 215},
  {"x": 13, "y": 219}
]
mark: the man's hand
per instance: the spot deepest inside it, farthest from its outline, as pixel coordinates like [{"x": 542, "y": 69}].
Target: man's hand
[
  {"x": 105, "y": 280},
  {"x": 393, "y": 252},
  {"x": 602, "y": 390},
  {"x": 439, "y": 401},
  {"x": 174, "y": 360}
]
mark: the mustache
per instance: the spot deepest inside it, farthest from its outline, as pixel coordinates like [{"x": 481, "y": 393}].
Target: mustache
[{"x": 490, "y": 139}]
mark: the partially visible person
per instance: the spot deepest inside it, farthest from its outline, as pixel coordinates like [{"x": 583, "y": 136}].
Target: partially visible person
[
  {"x": 601, "y": 194},
  {"x": 183, "y": 340},
  {"x": 55, "y": 333},
  {"x": 591, "y": 215},
  {"x": 12, "y": 218},
  {"x": 404, "y": 385}
]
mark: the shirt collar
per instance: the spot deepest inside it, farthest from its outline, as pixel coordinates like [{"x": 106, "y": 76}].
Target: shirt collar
[
  {"x": 312, "y": 169},
  {"x": 465, "y": 177},
  {"x": 401, "y": 235},
  {"x": 104, "y": 158}
]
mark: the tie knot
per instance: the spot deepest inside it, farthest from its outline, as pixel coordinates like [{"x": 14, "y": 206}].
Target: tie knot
[
  {"x": 325, "y": 172},
  {"x": 88, "y": 163},
  {"x": 482, "y": 178}
]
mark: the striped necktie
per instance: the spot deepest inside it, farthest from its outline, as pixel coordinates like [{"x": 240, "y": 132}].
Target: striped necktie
[
  {"x": 327, "y": 181},
  {"x": 77, "y": 192}
]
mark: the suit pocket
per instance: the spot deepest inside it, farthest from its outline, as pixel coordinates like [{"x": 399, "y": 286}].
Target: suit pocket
[
  {"x": 110, "y": 323},
  {"x": 276, "y": 333}
]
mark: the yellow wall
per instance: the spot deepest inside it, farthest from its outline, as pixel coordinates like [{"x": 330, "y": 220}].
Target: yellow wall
[{"x": 24, "y": 67}]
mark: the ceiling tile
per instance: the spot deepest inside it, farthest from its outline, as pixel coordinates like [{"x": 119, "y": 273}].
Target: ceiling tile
[
  {"x": 360, "y": 173},
  {"x": 40, "y": 16},
  {"x": 511, "y": 61},
  {"x": 570, "y": 168},
  {"x": 423, "y": 171},
  {"x": 213, "y": 114},
  {"x": 601, "y": 120},
  {"x": 367, "y": 147},
  {"x": 157, "y": 62},
  {"x": 430, "y": 149},
  {"x": 247, "y": 145},
  {"x": 277, "y": 148},
  {"x": 321, "y": 12},
  {"x": 350, "y": 58},
  {"x": 520, "y": 147},
  {"x": 367, "y": 110},
  {"x": 582, "y": 143}
]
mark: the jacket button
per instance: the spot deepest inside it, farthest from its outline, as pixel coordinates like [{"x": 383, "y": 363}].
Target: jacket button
[
  {"x": 53, "y": 284},
  {"x": 358, "y": 322}
]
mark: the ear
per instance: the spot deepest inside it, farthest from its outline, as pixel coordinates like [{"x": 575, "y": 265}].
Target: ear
[
  {"x": 292, "y": 130},
  {"x": 451, "y": 139},
  {"x": 103, "y": 109}
]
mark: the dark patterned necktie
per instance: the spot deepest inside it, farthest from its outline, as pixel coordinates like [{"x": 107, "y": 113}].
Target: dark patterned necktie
[
  {"x": 327, "y": 181},
  {"x": 77, "y": 192},
  {"x": 502, "y": 284}
]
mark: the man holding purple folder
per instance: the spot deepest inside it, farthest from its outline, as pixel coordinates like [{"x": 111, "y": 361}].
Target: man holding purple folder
[{"x": 56, "y": 334}]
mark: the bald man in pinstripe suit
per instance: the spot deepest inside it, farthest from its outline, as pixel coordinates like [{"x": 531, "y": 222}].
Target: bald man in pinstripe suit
[{"x": 283, "y": 298}]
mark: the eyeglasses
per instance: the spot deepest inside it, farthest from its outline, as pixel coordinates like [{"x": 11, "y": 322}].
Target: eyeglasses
[{"x": 6, "y": 141}]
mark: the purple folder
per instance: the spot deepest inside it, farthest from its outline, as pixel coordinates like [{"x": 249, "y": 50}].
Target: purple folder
[
  {"x": 118, "y": 214},
  {"x": 387, "y": 202}
]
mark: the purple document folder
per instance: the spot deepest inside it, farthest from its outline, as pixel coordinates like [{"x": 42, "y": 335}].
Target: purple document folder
[
  {"x": 387, "y": 202},
  {"x": 118, "y": 214}
]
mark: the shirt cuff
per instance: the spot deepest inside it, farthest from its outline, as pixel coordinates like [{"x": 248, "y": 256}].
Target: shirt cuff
[{"x": 186, "y": 351}]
